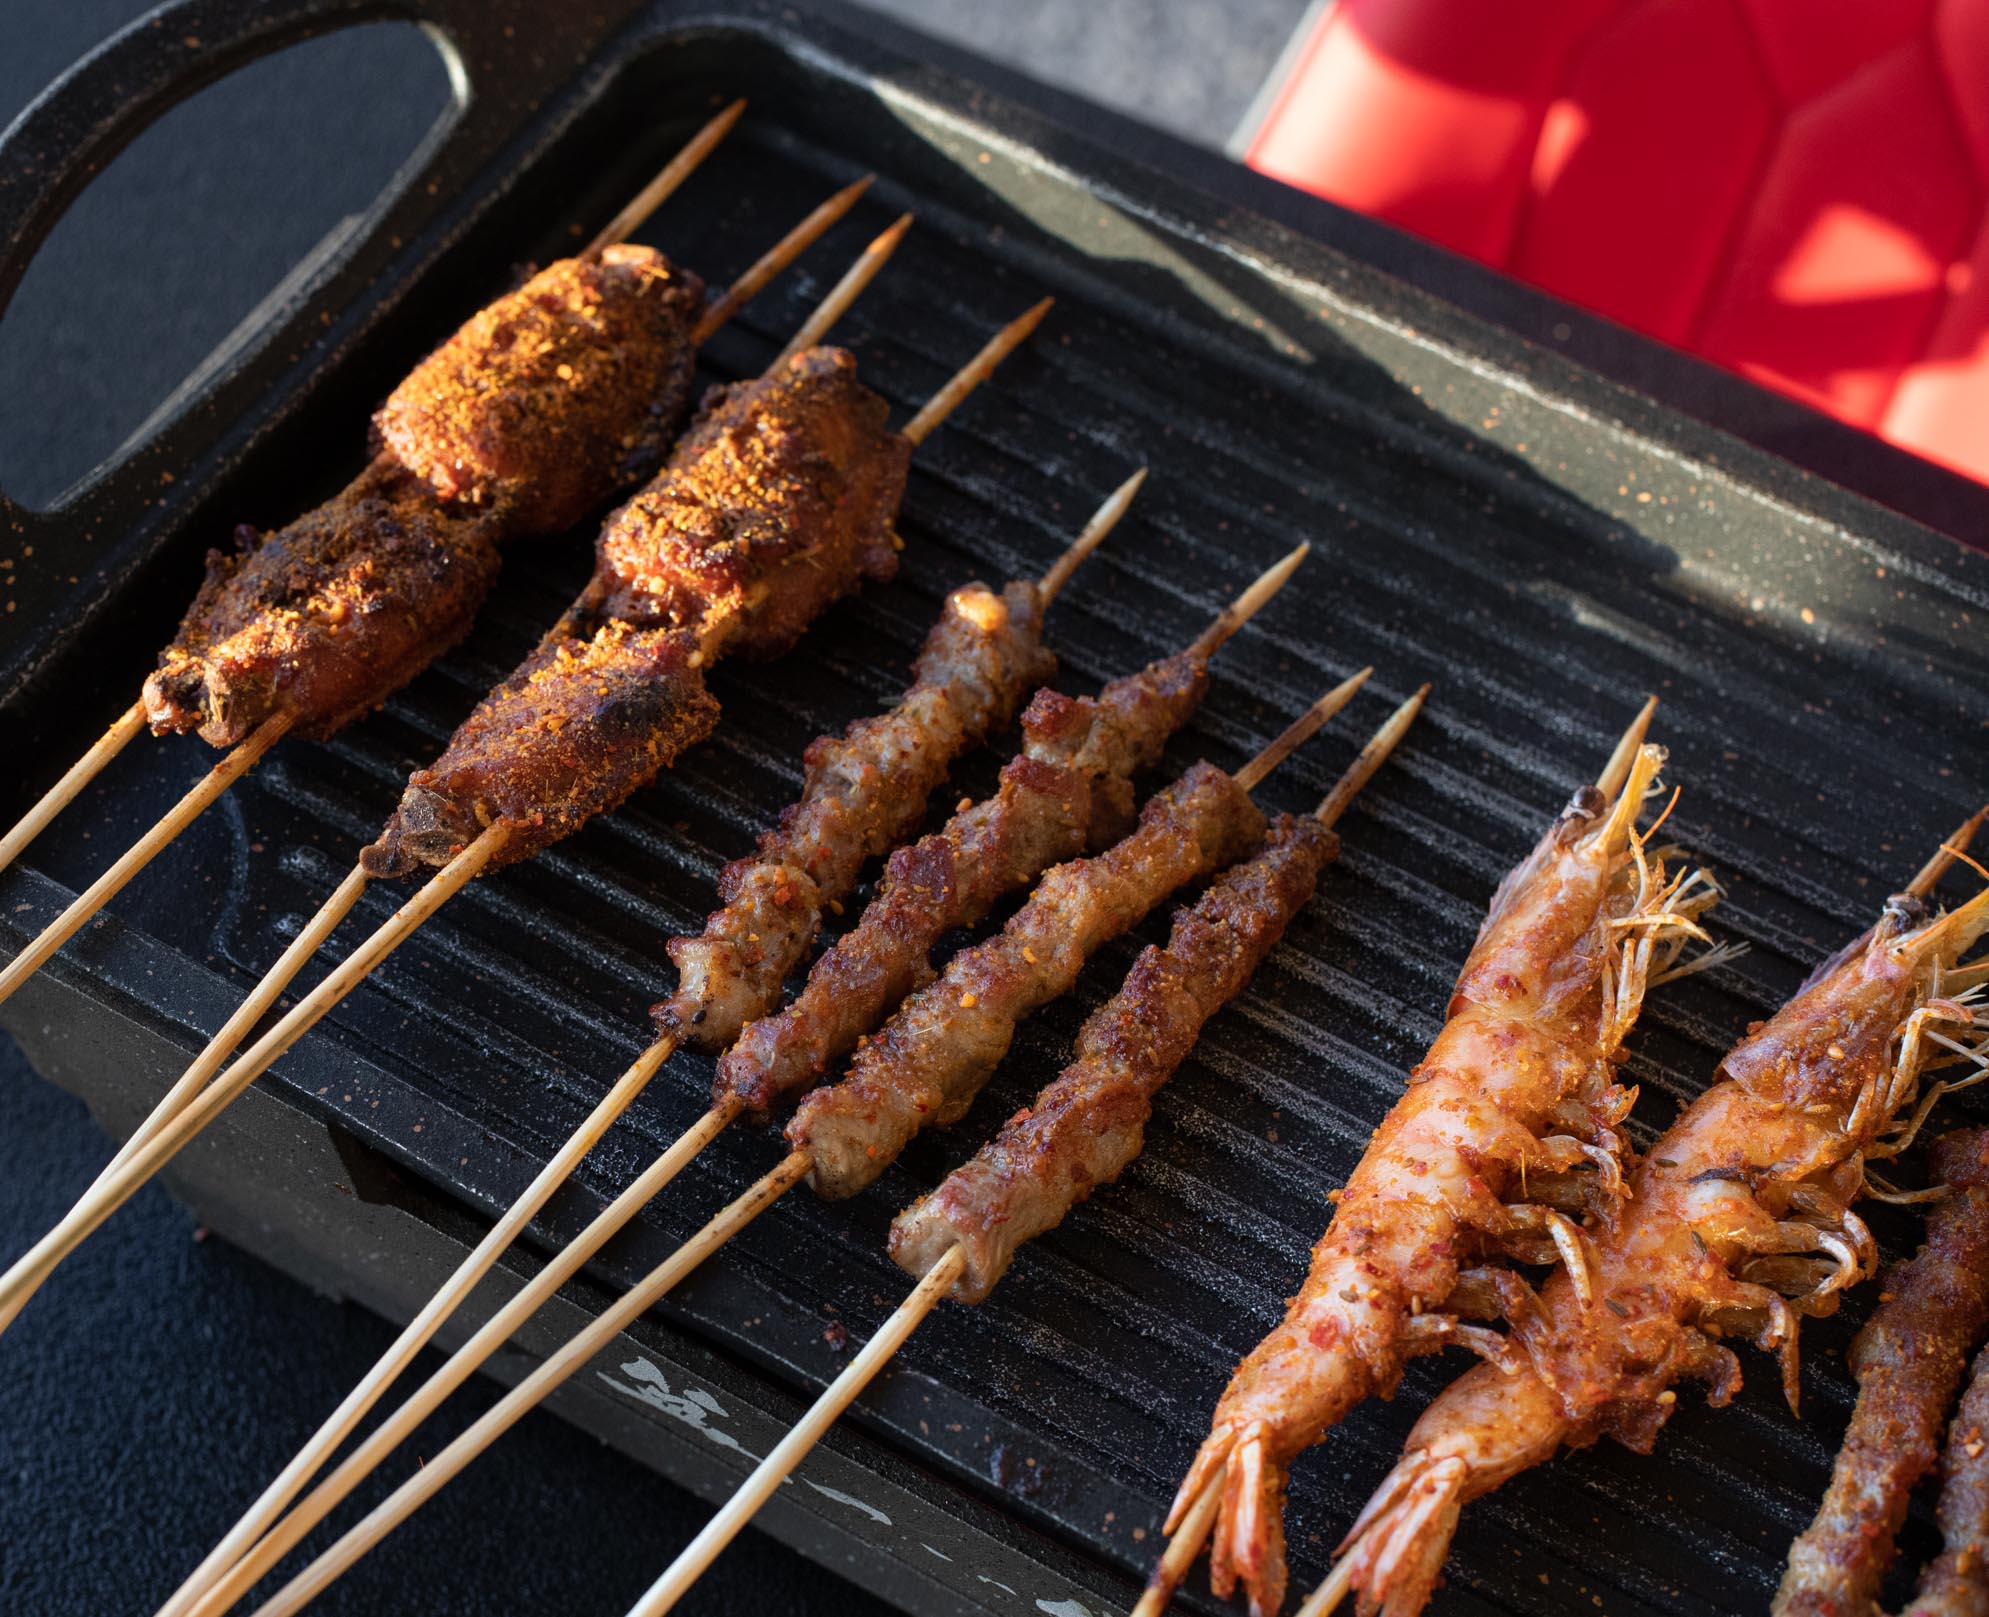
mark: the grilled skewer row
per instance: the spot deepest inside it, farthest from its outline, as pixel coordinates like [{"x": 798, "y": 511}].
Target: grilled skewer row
[{"x": 1068, "y": 789}]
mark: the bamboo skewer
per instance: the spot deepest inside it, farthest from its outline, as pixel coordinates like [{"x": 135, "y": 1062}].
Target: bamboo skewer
[
  {"x": 116, "y": 1186},
  {"x": 237, "y": 763},
  {"x": 435, "y": 1472},
  {"x": 768, "y": 1475},
  {"x": 129, "y": 723},
  {"x": 78, "y": 775},
  {"x": 771, "y": 1472},
  {"x": 247, "y": 1568},
  {"x": 976, "y": 371},
  {"x": 581, "y": 1348},
  {"x": 673, "y": 174},
  {"x": 783, "y": 253}
]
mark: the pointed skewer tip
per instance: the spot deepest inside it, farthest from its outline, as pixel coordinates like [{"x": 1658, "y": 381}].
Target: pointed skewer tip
[
  {"x": 1102, "y": 522},
  {"x": 1617, "y": 770},
  {"x": 1253, "y": 599},
  {"x": 1300, "y": 730},
  {"x": 1370, "y": 758}
]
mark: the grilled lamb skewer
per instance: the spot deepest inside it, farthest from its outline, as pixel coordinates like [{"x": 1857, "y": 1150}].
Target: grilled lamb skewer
[
  {"x": 1908, "y": 1360},
  {"x": 1207, "y": 812},
  {"x": 793, "y": 486},
  {"x": 1069, "y": 789},
  {"x": 1083, "y": 1130}
]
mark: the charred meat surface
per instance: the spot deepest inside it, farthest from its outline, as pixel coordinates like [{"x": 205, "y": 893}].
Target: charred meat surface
[
  {"x": 1909, "y": 1360},
  {"x": 933, "y": 1056},
  {"x": 327, "y": 617},
  {"x": 787, "y": 488},
  {"x": 555, "y": 395},
  {"x": 864, "y": 792},
  {"x": 1090, "y": 1123},
  {"x": 1071, "y": 788}
]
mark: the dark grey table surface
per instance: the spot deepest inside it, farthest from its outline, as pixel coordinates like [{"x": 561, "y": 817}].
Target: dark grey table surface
[{"x": 149, "y": 1391}]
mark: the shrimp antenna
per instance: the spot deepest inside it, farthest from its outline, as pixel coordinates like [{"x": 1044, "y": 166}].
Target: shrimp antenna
[{"x": 1617, "y": 770}]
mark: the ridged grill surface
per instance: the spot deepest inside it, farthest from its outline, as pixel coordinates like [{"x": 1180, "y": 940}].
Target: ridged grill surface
[{"x": 1474, "y": 527}]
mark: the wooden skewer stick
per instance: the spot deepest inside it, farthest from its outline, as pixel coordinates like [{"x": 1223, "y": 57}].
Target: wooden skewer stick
[
  {"x": 771, "y": 1472},
  {"x": 775, "y": 1184},
  {"x": 844, "y": 292},
  {"x": 574, "y": 1356},
  {"x": 1182, "y": 1549},
  {"x": 1245, "y": 606},
  {"x": 1102, "y": 522},
  {"x": 251, "y": 1548},
  {"x": 777, "y": 257},
  {"x": 1300, "y": 730},
  {"x": 117, "y": 1186},
  {"x": 976, "y": 371},
  {"x": 247, "y": 1569},
  {"x": 78, "y": 775},
  {"x": 673, "y": 174},
  {"x": 251, "y": 1011},
  {"x": 667, "y": 1590},
  {"x": 141, "y": 853}
]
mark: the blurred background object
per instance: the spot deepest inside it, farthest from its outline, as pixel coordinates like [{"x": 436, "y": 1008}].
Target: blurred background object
[{"x": 1793, "y": 189}]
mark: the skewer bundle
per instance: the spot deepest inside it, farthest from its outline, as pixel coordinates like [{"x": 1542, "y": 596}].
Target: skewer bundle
[{"x": 1210, "y": 803}]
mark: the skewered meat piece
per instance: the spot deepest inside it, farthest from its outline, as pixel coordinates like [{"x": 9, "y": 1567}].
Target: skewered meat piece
[
  {"x": 1070, "y": 788},
  {"x": 778, "y": 500},
  {"x": 1909, "y": 1360},
  {"x": 1089, "y": 1124},
  {"x": 864, "y": 792},
  {"x": 537, "y": 410},
  {"x": 1956, "y": 1582},
  {"x": 328, "y": 616},
  {"x": 557, "y": 393},
  {"x": 933, "y": 1056}
]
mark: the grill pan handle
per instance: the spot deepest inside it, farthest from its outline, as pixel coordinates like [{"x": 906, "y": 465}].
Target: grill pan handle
[{"x": 504, "y": 73}]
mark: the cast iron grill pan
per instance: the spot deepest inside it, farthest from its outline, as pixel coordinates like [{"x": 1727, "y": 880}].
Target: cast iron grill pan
[{"x": 1542, "y": 547}]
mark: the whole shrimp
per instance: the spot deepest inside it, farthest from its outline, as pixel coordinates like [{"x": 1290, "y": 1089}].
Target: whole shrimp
[
  {"x": 1521, "y": 1084},
  {"x": 1738, "y": 1222}
]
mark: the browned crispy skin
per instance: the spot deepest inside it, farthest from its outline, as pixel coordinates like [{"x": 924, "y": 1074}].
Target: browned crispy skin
[
  {"x": 793, "y": 482},
  {"x": 325, "y": 618},
  {"x": 555, "y": 395},
  {"x": 933, "y": 1056},
  {"x": 1090, "y": 1122},
  {"x": 1956, "y": 1582},
  {"x": 539, "y": 409},
  {"x": 1908, "y": 1360},
  {"x": 864, "y": 792},
  {"x": 778, "y": 501},
  {"x": 1069, "y": 789}
]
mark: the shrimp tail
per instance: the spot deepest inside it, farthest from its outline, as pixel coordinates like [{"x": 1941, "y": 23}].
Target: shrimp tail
[{"x": 1249, "y": 1543}]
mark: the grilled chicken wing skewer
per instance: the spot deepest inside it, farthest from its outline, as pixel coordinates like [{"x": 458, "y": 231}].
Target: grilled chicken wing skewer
[
  {"x": 1218, "y": 823},
  {"x": 1738, "y": 1222},
  {"x": 764, "y": 586},
  {"x": 1082, "y": 1131},
  {"x": 1908, "y": 1360},
  {"x": 853, "y": 782},
  {"x": 1522, "y": 1081},
  {"x": 543, "y": 406}
]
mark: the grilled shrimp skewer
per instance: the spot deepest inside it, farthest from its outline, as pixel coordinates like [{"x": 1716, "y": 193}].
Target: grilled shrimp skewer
[
  {"x": 1909, "y": 1359},
  {"x": 1521, "y": 1082},
  {"x": 1738, "y": 1222}
]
